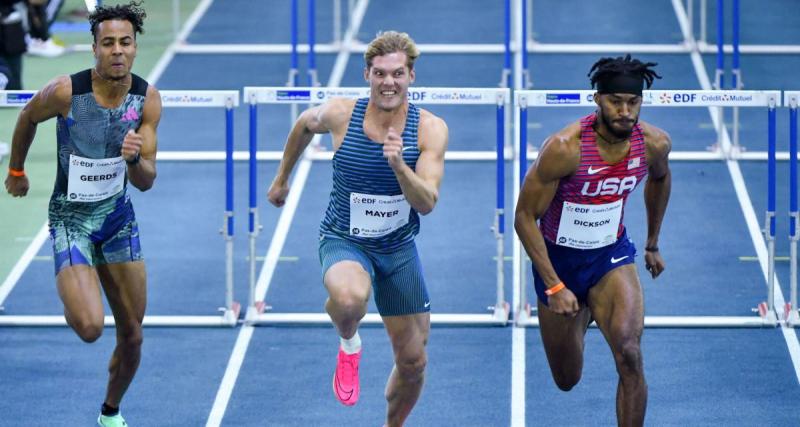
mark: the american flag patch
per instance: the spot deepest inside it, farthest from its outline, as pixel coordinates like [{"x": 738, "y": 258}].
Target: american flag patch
[{"x": 633, "y": 163}]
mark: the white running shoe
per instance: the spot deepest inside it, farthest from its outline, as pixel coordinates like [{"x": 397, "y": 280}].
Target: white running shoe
[{"x": 47, "y": 48}]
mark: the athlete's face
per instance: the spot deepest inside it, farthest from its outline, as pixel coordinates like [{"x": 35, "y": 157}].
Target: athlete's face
[
  {"x": 389, "y": 78},
  {"x": 114, "y": 49},
  {"x": 619, "y": 112}
]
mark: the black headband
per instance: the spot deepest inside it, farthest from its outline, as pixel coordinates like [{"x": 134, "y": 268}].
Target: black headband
[{"x": 621, "y": 83}]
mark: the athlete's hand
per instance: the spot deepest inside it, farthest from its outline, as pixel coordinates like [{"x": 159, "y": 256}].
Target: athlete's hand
[
  {"x": 17, "y": 186},
  {"x": 277, "y": 193},
  {"x": 131, "y": 145},
  {"x": 653, "y": 263},
  {"x": 564, "y": 302},
  {"x": 393, "y": 148}
]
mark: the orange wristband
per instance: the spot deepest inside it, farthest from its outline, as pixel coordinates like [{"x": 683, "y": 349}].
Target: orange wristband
[
  {"x": 16, "y": 172},
  {"x": 555, "y": 289}
]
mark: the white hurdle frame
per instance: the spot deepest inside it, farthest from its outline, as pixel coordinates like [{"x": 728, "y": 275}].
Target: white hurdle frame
[
  {"x": 791, "y": 99},
  {"x": 524, "y": 99},
  {"x": 500, "y": 97},
  {"x": 228, "y": 99}
]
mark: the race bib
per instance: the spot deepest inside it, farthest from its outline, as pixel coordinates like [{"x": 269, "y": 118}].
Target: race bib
[
  {"x": 375, "y": 216},
  {"x": 589, "y": 226},
  {"x": 92, "y": 180}
]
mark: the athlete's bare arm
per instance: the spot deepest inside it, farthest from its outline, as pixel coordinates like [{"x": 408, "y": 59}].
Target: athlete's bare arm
[
  {"x": 420, "y": 186},
  {"x": 53, "y": 100},
  {"x": 144, "y": 143},
  {"x": 332, "y": 116},
  {"x": 656, "y": 192},
  {"x": 559, "y": 158}
]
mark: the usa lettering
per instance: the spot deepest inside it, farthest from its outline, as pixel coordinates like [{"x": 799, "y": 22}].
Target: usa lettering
[
  {"x": 609, "y": 186},
  {"x": 381, "y": 214}
]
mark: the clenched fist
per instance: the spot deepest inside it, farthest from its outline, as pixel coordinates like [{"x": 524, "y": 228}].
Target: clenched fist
[
  {"x": 393, "y": 148},
  {"x": 131, "y": 145}
]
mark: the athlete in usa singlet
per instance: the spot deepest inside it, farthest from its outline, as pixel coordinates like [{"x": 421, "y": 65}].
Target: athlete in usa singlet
[{"x": 582, "y": 227}]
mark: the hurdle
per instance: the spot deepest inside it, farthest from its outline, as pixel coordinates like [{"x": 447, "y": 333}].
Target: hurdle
[
  {"x": 524, "y": 99},
  {"x": 704, "y": 47},
  {"x": 356, "y": 10},
  {"x": 229, "y": 99},
  {"x": 790, "y": 99},
  {"x": 686, "y": 46},
  {"x": 500, "y": 97}
]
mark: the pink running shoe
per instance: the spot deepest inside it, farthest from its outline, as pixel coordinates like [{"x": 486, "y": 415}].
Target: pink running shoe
[{"x": 345, "y": 379}]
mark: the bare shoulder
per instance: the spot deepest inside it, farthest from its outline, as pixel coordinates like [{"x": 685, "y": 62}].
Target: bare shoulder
[
  {"x": 431, "y": 123},
  {"x": 57, "y": 92},
  {"x": 152, "y": 92},
  {"x": 336, "y": 112},
  {"x": 566, "y": 143},
  {"x": 433, "y": 131},
  {"x": 152, "y": 106},
  {"x": 560, "y": 154},
  {"x": 657, "y": 140},
  {"x": 54, "y": 99}
]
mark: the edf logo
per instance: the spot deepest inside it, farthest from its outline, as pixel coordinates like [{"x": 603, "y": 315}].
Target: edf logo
[
  {"x": 416, "y": 96},
  {"x": 684, "y": 97}
]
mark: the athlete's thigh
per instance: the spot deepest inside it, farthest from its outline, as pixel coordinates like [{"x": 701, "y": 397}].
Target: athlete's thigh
[
  {"x": 408, "y": 333},
  {"x": 562, "y": 336},
  {"x": 347, "y": 276},
  {"x": 345, "y": 267},
  {"x": 125, "y": 285},
  {"x": 399, "y": 283},
  {"x": 79, "y": 291},
  {"x": 617, "y": 304}
]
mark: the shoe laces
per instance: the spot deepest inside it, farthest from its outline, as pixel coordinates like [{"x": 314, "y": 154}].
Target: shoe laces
[{"x": 349, "y": 366}]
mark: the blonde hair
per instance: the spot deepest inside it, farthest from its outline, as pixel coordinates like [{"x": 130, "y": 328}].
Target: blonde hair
[{"x": 387, "y": 42}]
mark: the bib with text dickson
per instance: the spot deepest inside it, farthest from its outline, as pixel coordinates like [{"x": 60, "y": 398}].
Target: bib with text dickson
[{"x": 589, "y": 226}]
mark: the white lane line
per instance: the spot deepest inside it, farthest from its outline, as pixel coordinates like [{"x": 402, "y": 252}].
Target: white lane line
[
  {"x": 789, "y": 334},
  {"x": 279, "y": 237},
  {"x": 518, "y": 340},
  {"x": 22, "y": 263},
  {"x": 36, "y": 244}
]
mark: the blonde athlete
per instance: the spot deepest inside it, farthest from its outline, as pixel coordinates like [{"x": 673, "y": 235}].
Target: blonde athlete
[{"x": 388, "y": 164}]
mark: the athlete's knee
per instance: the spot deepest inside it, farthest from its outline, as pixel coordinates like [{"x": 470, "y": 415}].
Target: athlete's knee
[
  {"x": 411, "y": 365},
  {"x": 628, "y": 357},
  {"x": 565, "y": 381},
  {"x": 131, "y": 338},
  {"x": 88, "y": 331},
  {"x": 349, "y": 298}
]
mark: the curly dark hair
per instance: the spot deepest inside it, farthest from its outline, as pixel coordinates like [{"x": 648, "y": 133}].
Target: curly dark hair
[
  {"x": 131, "y": 12},
  {"x": 607, "y": 67}
]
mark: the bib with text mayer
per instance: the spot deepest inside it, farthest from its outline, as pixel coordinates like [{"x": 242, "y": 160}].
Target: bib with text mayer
[
  {"x": 375, "y": 216},
  {"x": 92, "y": 180},
  {"x": 589, "y": 226}
]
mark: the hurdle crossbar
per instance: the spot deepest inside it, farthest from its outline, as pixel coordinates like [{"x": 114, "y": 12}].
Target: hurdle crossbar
[
  {"x": 524, "y": 99},
  {"x": 675, "y": 98},
  {"x": 499, "y": 97},
  {"x": 491, "y": 48},
  {"x": 228, "y": 99}
]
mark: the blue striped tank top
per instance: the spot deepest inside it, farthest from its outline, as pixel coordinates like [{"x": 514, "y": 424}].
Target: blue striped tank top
[{"x": 360, "y": 170}]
